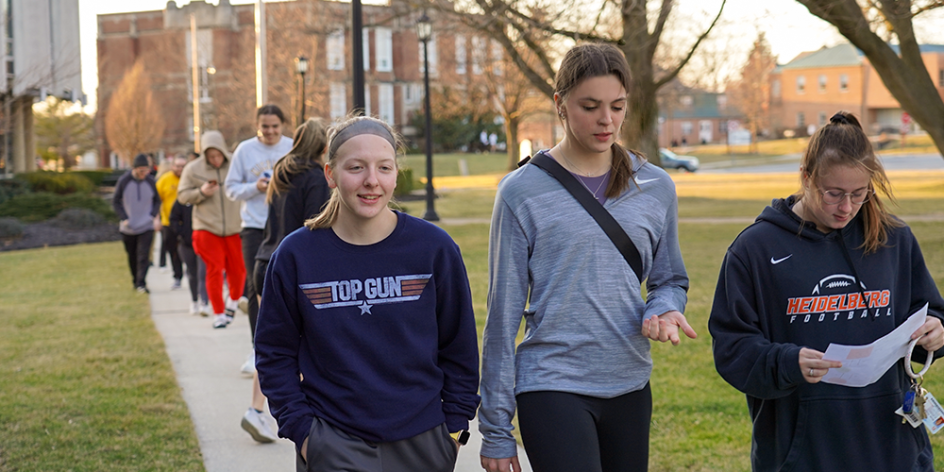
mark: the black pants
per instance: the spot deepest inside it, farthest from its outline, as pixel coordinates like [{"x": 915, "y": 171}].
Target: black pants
[
  {"x": 258, "y": 278},
  {"x": 196, "y": 273},
  {"x": 169, "y": 246},
  {"x": 251, "y": 240},
  {"x": 565, "y": 432},
  {"x": 138, "y": 248}
]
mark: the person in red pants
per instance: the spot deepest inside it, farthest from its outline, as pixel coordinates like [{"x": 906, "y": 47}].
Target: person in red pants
[{"x": 216, "y": 225}]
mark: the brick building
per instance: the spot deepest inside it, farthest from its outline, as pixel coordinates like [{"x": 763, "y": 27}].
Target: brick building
[
  {"x": 815, "y": 85},
  {"x": 317, "y": 29}
]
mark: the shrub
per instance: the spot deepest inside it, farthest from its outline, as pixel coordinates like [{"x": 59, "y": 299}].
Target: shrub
[
  {"x": 404, "y": 181},
  {"x": 78, "y": 218},
  {"x": 10, "y": 228},
  {"x": 41, "y": 206},
  {"x": 10, "y": 188},
  {"x": 58, "y": 183},
  {"x": 96, "y": 176}
]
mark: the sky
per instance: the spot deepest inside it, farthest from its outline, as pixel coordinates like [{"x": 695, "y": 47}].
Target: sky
[{"x": 789, "y": 27}]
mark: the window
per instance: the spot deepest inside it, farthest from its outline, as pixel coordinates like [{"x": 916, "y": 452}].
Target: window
[
  {"x": 686, "y": 128},
  {"x": 822, "y": 118},
  {"x": 801, "y": 84},
  {"x": 383, "y": 49},
  {"x": 412, "y": 93},
  {"x": 367, "y": 99},
  {"x": 775, "y": 89},
  {"x": 497, "y": 54},
  {"x": 338, "y": 100},
  {"x": 433, "y": 59},
  {"x": 843, "y": 82},
  {"x": 478, "y": 54},
  {"x": 801, "y": 120},
  {"x": 335, "y": 46},
  {"x": 385, "y": 103},
  {"x": 365, "y": 42},
  {"x": 822, "y": 84},
  {"x": 460, "y": 54}
]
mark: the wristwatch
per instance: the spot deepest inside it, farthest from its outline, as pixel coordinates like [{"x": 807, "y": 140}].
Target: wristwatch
[{"x": 461, "y": 437}]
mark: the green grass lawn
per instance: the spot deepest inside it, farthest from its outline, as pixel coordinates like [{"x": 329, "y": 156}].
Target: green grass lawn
[
  {"x": 86, "y": 384},
  {"x": 448, "y": 164}
]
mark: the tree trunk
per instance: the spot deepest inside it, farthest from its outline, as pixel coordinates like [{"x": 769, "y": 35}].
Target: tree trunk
[
  {"x": 511, "y": 142},
  {"x": 640, "y": 130}
]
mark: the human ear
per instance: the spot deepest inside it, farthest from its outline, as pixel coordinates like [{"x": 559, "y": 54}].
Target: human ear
[{"x": 329, "y": 176}]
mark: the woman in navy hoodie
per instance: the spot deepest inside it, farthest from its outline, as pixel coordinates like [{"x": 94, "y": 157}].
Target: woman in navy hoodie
[{"x": 826, "y": 265}]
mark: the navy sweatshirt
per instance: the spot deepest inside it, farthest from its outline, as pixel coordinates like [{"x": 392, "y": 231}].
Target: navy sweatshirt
[
  {"x": 383, "y": 335},
  {"x": 782, "y": 288}
]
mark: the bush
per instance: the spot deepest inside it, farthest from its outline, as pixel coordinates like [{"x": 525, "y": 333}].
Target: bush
[
  {"x": 96, "y": 176},
  {"x": 41, "y": 206},
  {"x": 10, "y": 228},
  {"x": 58, "y": 183},
  {"x": 404, "y": 181},
  {"x": 78, "y": 218},
  {"x": 10, "y": 188}
]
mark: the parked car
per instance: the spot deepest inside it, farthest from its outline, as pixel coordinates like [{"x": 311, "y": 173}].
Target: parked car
[{"x": 671, "y": 160}]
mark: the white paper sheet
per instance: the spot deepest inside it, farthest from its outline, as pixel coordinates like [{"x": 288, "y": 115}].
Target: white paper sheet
[{"x": 864, "y": 365}]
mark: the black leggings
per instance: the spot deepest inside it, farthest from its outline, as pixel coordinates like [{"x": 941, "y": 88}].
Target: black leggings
[{"x": 567, "y": 432}]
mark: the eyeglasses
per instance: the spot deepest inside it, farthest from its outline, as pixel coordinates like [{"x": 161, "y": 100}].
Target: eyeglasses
[{"x": 835, "y": 197}]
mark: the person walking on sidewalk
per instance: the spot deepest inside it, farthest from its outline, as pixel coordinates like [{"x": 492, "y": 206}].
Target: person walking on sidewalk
[
  {"x": 580, "y": 378},
  {"x": 246, "y": 183},
  {"x": 181, "y": 218},
  {"x": 167, "y": 189},
  {"x": 372, "y": 307},
  {"x": 137, "y": 204},
  {"x": 215, "y": 225},
  {"x": 297, "y": 192}
]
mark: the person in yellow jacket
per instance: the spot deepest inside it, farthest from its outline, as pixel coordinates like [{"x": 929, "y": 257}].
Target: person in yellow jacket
[
  {"x": 216, "y": 225},
  {"x": 167, "y": 190}
]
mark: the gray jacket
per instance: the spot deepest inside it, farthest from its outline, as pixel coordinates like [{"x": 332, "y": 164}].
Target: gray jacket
[
  {"x": 137, "y": 203},
  {"x": 551, "y": 263}
]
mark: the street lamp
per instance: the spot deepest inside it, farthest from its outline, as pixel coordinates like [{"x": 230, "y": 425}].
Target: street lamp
[
  {"x": 301, "y": 66},
  {"x": 424, "y": 30}
]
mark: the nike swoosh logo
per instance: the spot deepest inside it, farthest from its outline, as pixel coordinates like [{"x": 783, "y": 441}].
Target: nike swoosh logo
[
  {"x": 777, "y": 261},
  {"x": 644, "y": 181}
]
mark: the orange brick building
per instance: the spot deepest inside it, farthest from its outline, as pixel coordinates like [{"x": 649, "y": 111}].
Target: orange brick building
[
  {"x": 317, "y": 29},
  {"x": 815, "y": 85}
]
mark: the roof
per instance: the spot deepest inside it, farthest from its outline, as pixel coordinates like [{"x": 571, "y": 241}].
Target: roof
[
  {"x": 704, "y": 105},
  {"x": 844, "y": 55}
]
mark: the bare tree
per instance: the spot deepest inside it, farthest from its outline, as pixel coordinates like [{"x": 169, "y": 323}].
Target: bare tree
[
  {"x": 540, "y": 27},
  {"x": 864, "y": 23},
  {"x": 751, "y": 92},
  {"x": 63, "y": 134},
  {"x": 134, "y": 123}
]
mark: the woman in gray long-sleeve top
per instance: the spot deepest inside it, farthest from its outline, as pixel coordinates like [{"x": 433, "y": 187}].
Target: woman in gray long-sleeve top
[{"x": 580, "y": 378}]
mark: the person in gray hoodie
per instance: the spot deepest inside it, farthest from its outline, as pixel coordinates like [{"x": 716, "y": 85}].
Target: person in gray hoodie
[
  {"x": 580, "y": 378},
  {"x": 137, "y": 204}
]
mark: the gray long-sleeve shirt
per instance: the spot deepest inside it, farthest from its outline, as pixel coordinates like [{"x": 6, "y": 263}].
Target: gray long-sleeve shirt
[{"x": 551, "y": 263}]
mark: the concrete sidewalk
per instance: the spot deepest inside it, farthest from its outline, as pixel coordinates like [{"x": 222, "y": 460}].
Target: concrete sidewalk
[{"x": 207, "y": 363}]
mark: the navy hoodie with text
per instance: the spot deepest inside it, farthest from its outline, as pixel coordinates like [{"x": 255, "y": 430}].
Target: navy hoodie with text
[{"x": 782, "y": 288}]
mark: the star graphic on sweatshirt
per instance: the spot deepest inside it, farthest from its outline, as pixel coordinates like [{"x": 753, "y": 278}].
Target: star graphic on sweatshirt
[{"x": 365, "y": 308}]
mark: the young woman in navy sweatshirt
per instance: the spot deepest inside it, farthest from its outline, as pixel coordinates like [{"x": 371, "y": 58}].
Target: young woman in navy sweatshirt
[
  {"x": 826, "y": 265},
  {"x": 366, "y": 343}
]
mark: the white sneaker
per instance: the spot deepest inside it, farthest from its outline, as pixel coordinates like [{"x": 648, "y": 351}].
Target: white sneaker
[
  {"x": 231, "y": 307},
  {"x": 256, "y": 425},
  {"x": 205, "y": 310},
  {"x": 194, "y": 308},
  {"x": 219, "y": 321},
  {"x": 243, "y": 304},
  {"x": 249, "y": 367}
]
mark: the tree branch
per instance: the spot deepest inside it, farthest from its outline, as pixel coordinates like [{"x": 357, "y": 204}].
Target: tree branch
[{"x": 691, "y": 52}]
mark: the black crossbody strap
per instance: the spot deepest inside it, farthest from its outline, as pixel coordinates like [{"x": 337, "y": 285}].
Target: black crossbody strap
[{"x": 606, "y": 221}]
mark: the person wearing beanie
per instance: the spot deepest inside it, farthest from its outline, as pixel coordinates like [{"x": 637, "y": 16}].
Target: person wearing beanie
[
  {"x": 137, "y": 204},
  {"x": 216, "y": 225}
]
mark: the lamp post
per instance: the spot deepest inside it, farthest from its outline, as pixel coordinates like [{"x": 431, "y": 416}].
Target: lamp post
[
  {"x": 424, "y": 30},
  {"x": 301, "y": 66}
]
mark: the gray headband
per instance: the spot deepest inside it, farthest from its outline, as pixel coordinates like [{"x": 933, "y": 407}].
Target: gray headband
[{"x": 358, "y": 128}]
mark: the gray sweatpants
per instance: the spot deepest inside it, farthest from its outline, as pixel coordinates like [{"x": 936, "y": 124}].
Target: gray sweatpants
[{"x": 330, "y": 449}]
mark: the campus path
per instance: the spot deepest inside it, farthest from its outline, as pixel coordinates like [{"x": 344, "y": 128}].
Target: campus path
[{"x": 206, "y": 362}]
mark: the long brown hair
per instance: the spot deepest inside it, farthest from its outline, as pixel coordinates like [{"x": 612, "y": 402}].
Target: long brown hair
[
  {"x": 843, "y": 142},
  {"x": 329, "y": 214},
  {"x": 590, "y": 60},
  {"x": 308, "y": 145}
]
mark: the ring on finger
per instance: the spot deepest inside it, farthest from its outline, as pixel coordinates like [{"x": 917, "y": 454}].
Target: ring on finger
[{"x": 811, "y": 373}]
